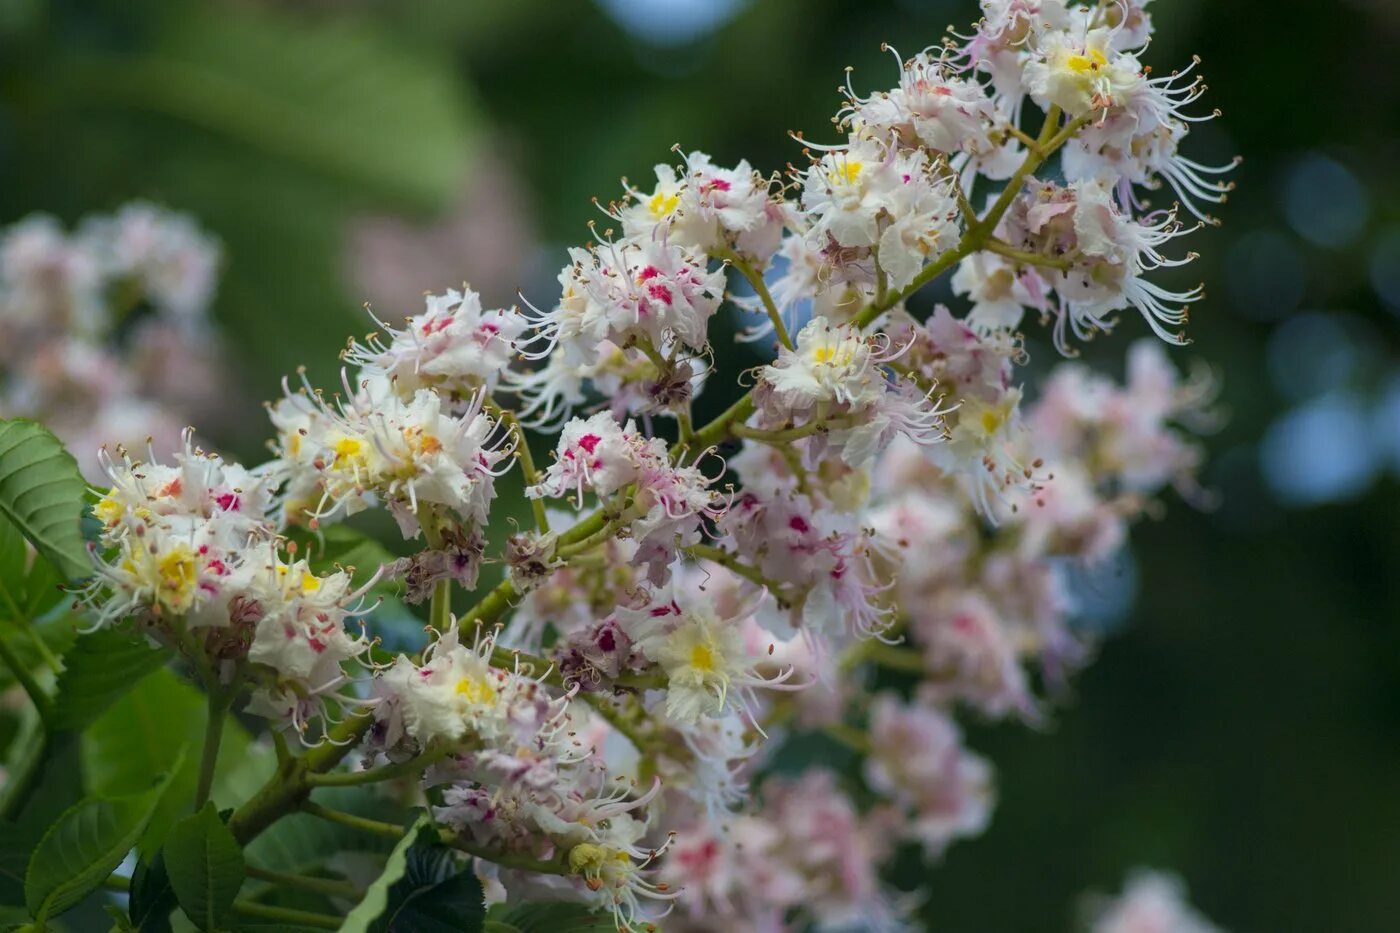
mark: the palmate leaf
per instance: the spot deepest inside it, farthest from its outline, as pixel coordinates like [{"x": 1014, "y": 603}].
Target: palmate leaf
[
  {"x": 140, "y": 736},
  {"x": 205, "y": 865},
  {"x": 422, "y": 889},
  {"x": 101, "y": 666},
  {"x": 41, "y": 493},
  {"x": 333, "y": 95},
  {"x": 376, "y": 900},
  {"x": 82, "y": 848}
]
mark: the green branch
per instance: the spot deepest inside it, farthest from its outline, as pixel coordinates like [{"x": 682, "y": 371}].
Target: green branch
[
  {"x": 331, "y": 887},
  {"x": 287, "y": 915},
  {"x": 760, "y": 287},
  {"x": 220, "y": 699},
  {"x": 388, "y": 772}
]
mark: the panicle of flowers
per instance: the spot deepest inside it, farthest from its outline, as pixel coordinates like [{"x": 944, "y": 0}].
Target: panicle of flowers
[
  {"x": 707, "y": 208},
  {"x": 372, "y": 445},
  {"x": 839, "y": 386},
  {"x": 187, "y": 551},
  {"x": 888, "y": 496},
  {"x": 1151, "y": 902},
  {"x": 518, "y": 775},
  {"x": 454, "y": 347},
  {"x": 104, "y": 332}
]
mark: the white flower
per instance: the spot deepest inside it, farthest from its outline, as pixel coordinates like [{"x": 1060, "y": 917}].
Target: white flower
[
  {"x": 1151, "y": 902},
  {"x": 847, "y": 191},
  {"x": 49, "y": 280},
  {"x": 453, "y": 346},
  {"x": 917, "y": 756},
  {"x": 301, "y": 633},
  {"x": 1139, "y": 139},
  {"x": 709, "y": 665},
  {"x": 1117, "y": 251},
  {"x": 175, "y": 263},
  {"x": 593, "y": 455},
  {"x": 998, "y": 294},
  {"x": 1080, "y": 74},
  {"x": 381, "y": 447},
  {"x": 830, "y": 363},
  {"x": 705, "y": 206},
  {"x": 930, "y": 108},
  {"x": 656, "y": 289},
  {"x": 454, "y": 693}
]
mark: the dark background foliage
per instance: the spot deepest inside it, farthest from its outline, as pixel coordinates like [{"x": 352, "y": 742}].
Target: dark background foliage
[{"x": 1242, "y": 723}]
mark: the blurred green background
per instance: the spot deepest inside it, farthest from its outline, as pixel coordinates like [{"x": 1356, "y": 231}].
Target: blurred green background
[{"x": 1242, "y": 724}]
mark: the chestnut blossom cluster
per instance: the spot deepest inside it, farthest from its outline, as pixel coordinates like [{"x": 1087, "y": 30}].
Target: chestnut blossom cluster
[
  {"x": 105, "y": 331},
  {"x": 868, "y": 546},
  {"x": 188, "y": 555},
  {"x": 1151, "y": 902}
]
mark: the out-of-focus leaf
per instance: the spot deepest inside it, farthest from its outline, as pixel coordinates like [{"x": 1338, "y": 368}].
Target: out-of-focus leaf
[
  {"x": 302, "y": 844},
  {"x": 101, "y": 667},
  {"x": 12, "y": 561},
  {"x": 141, "y": 735},
  {"x": 41, "y": 493},
  {"x": 205, "y": 866},
  {"x": 344, "y": 547},
  {"x": 16, "y": 842},
  {"x": 332, "y": 94},
  {"x": 82, "y": 848}
]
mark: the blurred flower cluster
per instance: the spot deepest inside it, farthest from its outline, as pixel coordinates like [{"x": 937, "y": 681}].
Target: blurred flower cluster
[
  {"x": 869, "y": 544},
  {"x": 104, "y": 331}
]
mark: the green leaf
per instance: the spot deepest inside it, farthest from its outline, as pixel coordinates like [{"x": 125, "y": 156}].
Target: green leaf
[
  {"x": 302, "y": 844},
  {"x": 141, "y": 736},
  {"x": 12, "y": 561},
  {"x": 41, "y": 493},
  {"x": 332, "y": 94},
  {"x": 82, "y": 848},
  {"x": 422, "y": 889},
  {"x": 376, "y": 900},
  {"x": 151, "y": 898},
  {"x": 548, "y": 917},
  {"x": 101, "y": 667},
  {"x": 346, "y": 547},
  {"x": 16, "y": 842},
  {"x": 435, "y": 895},
  {"x": 205, "y": 865}
]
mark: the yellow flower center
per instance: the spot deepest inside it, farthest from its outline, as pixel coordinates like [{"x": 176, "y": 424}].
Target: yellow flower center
[
  {"x": 992, "y": 419},
  {"x": 108, "y": 511},
  {"x": 704, "y": 658},
  {"x": 476, "y": 690},
  {"x": 348, "y": 449},
  {"x": 847, "y": 172},
  {"x": 831, "y": 355},
  {"x": 663, "y": 204},
  {"x": 177, "y": 574},
  {"x": 1091, "y": 60}
]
